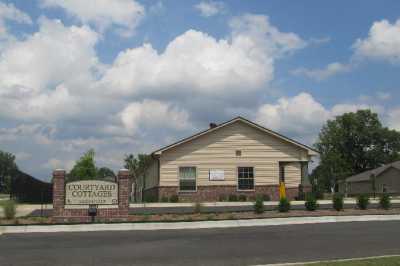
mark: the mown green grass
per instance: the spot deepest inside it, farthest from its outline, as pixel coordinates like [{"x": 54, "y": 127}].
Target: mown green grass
[{"x": 385, "y": 261}]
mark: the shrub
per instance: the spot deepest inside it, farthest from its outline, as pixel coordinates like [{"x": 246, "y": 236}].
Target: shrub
[
  {"x": 150, "y": 198},
  {"x": 384, "y": 201},
  {"x": 266, "y": 197},
  {"x": 164, "y": 199},
  {"x": 337, "y": 201},
  {"x": 174, "y": 198},
  {"x": 242, "y": 198},
  {"x": 259, "y": 205},
  {"x": 233, "y": 197},
  {"x": 10, "y": 209},
  {"x": 284, "y": 205},
  {"x": 362, "y": 201},
  {"x": 210, "y": 217},
  {"x": 222, "y": 197},
  {"x": 311, "y": 202},
  {"x": 198, "y": 207}
]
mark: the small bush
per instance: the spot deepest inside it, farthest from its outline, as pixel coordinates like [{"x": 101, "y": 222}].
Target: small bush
[
  {"x": 210, "y": 217},
  {"x": 233, "y": 197},
  {"x": 259, "y": 205},
  {"x": 174, "y": 198},
  {"x": 222, "y": 197},
  {"x": 337, "y": 201},
  {"x": 164, "y": 199},
  {"x": 311, "y": 202},
  {"x": 231, "y": 217},
  {"x": 284, "y": 205},
  {"x": 150, "y": 198},
  {"x": 362, "y": 201},
  {"x": 198, "y": 207},
  {"x": 10, "y": 209},
  {"x": 242, "y": 198},
  {"x": 385, "y": 201}
]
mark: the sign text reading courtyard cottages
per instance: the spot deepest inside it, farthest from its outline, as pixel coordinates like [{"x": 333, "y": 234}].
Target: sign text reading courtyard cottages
[{"x": 91, "y": 192}]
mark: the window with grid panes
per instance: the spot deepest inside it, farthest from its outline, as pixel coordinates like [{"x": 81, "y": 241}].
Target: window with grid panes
[
  {"x": 245, "y": 178},
  {"x": 187, "y": 178}
]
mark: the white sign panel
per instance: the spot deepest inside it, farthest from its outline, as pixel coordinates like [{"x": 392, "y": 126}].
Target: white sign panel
[
  {"x": 216, "y": 175},
  {"x": 91, "y": 192}
]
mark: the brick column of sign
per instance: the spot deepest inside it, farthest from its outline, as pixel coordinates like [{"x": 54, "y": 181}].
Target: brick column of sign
[
  {"x": 124, "y": 191},
  {"x": 58, "y": 192}
]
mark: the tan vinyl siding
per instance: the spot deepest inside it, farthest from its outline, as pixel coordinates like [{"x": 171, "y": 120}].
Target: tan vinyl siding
[
  {"x": 292, "y": 174},
  {"x": 216, "y": 150},
  {"x": 152, "y": 175}
]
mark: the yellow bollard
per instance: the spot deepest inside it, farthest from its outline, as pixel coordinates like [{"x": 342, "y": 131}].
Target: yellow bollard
[{"x": 282, "y": 190}]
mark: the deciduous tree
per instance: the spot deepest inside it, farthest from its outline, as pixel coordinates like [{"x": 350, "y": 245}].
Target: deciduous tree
[
  {"x": 352, "y": 143},
  {"x": 8, "y": 169},
  {"x": 84, "y": 168}
]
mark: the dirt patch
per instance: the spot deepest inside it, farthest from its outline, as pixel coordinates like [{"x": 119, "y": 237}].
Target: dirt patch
[{"x": 217, "y": 216}]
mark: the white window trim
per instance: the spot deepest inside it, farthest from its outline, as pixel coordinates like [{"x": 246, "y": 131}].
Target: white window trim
[
  {"x": 179, "y": 180},
  {"x": 237, "y": 179}
]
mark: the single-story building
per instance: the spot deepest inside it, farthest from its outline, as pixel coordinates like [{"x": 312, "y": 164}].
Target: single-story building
[
  {"x": 387, "y": 179},
  {"x": 236, "y": 157}
]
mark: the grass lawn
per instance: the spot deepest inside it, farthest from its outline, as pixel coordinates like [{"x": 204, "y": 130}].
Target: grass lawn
[
  {"x": 383, "y": 261},
  {"x": 4, "y": 196}
]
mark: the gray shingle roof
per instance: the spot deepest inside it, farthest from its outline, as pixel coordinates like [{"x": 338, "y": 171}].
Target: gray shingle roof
[{"x": 365, "y": 176}]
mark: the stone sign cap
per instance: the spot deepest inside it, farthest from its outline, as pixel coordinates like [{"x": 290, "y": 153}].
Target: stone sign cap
[{"x": 91, "y": 192}]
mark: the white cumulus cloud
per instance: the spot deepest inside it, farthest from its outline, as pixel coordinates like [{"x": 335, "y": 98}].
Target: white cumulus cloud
[
  {"x": 11, "y": 13},
  {"x": 394, "y": 118},
  {"x": 328, "y": 71},
  {"x": 383, "y": 42},
  {"x": 123, "y": 14},
  {"x": 210, "y": 8},
  {"x": 39, "y": 73},
  {"x": 152, "y": 114},
  {"x": 302, "y": 116},
  {"x": 198, "y": 62}
]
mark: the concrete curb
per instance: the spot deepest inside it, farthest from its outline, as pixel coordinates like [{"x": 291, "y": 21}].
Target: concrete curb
[
  {"x": 328, "y": 261},
  {"x": 192, "y": 225}
]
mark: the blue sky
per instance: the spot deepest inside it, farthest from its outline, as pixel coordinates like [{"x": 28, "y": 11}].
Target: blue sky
[{"x": 127, "y": 76}]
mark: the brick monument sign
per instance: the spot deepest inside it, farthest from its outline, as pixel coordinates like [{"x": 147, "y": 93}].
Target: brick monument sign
[{"x": 88, "y": 200}]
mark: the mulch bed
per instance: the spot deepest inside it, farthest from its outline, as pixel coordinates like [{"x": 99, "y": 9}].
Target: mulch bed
[{"x": 218, "y": 216}]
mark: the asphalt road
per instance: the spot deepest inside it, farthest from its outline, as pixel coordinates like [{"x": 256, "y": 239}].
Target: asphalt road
[{"x": 232, "y": 246}]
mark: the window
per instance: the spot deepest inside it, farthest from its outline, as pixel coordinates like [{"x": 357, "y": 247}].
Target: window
[
  {"x": 245, "y": 178},
  {"x": 238, "y": 153},
  {"x": 187, "y": 178}
]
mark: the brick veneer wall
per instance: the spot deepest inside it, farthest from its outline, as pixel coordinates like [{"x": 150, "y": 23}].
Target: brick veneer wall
[
  {"x": 115, "y": 213},
  {"x": 212, "y": 193}
]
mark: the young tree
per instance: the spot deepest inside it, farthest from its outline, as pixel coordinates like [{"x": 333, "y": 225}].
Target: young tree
[
  {"x": 105, "y": 172},
  {"x": 84, "y": 168},
  {"x": 137, "y": 167},
  {"x": 353, "y": 143},
  {"x": 8, "y": 169}
]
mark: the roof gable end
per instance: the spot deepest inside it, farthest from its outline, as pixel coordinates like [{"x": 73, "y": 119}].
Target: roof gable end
[{"x": 310, "y": 150}]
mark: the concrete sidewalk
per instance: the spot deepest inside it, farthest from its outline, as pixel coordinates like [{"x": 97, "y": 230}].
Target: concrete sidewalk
[{"x": 192, "y": 225}]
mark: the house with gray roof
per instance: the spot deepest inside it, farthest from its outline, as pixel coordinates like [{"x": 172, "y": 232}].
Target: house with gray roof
[{"x": 387, "y": 179}]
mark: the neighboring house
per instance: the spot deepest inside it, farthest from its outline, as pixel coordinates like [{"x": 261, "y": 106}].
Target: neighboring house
[
  {"x": 235, "y": 157},
  {"x": 387, "y": 179}
]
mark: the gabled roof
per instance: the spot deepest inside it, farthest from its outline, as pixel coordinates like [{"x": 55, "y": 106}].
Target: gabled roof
[
  {"x": 366, "y": 176},
  {"x": 310, "y": 150}
]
